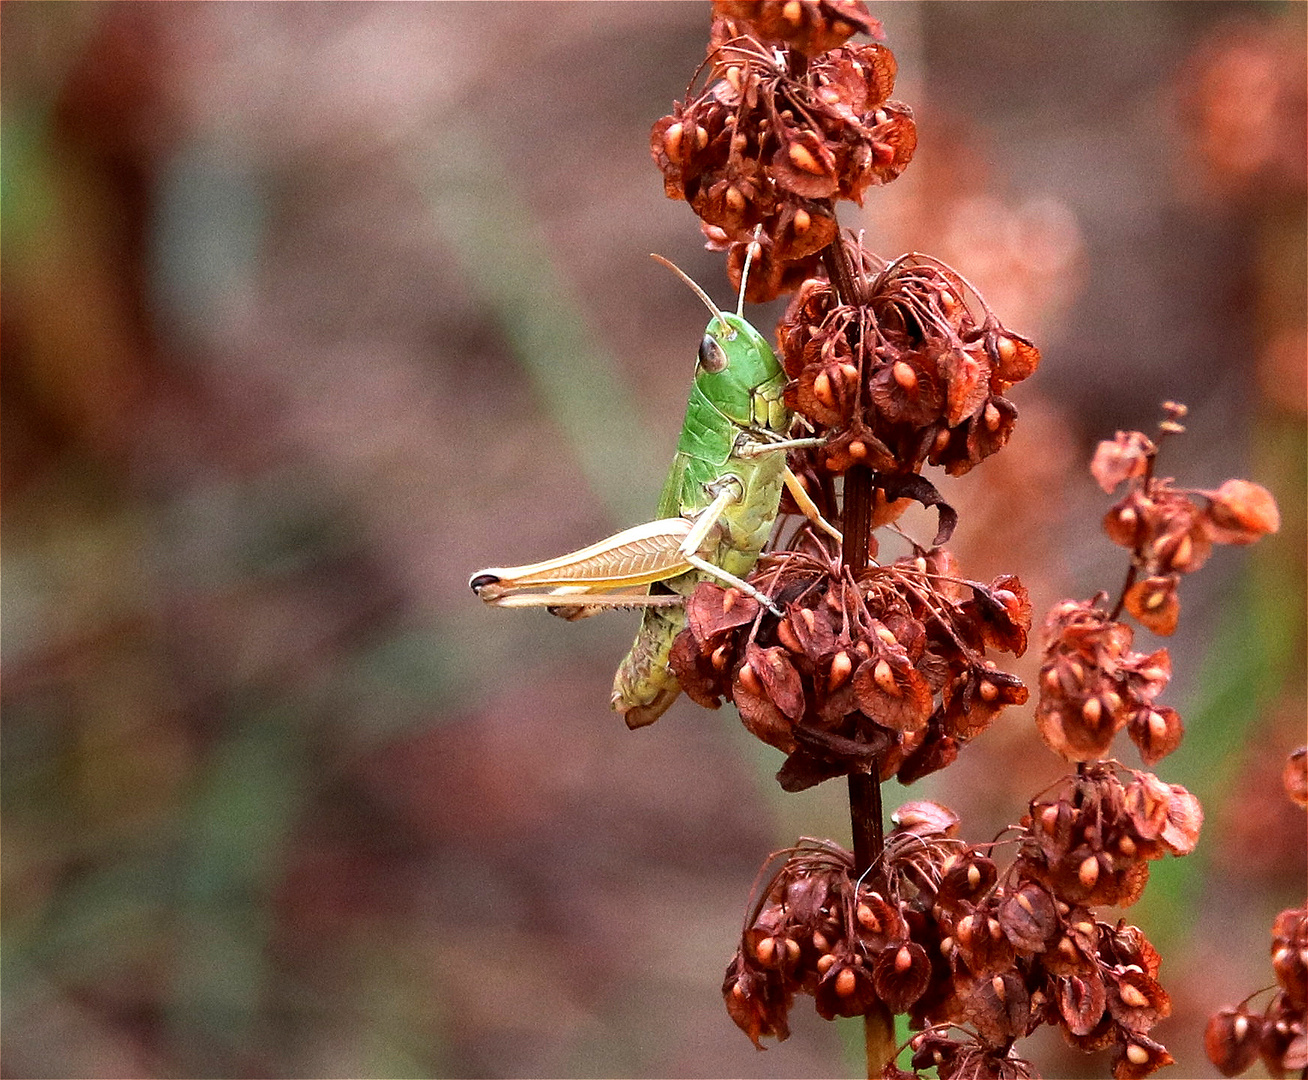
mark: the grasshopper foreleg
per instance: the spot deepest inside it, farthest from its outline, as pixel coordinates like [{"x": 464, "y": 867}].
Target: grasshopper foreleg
[{"x": 749, "y": 448}]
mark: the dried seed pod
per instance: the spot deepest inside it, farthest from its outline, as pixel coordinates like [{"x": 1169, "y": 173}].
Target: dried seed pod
[
  {"x": 1240, "y": 512},
  {"x": 1231, "y": 1039},
  {"x": 1125, "y": 457}
]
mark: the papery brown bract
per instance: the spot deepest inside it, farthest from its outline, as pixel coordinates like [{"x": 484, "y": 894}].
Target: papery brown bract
[
  {"x": 756, "y": 1002},
  {"x": 1241, "y": 512},
  {"x": 1232, "y": 1038},
  {"x": 901, "y": 975},
  {"x": 1122, "y": 458}
]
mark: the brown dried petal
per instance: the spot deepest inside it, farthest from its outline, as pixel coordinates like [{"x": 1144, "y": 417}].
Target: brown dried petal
[
  {"x": 965, "y": 878},
  {"x": 1243, "y": 511},
  {"x": 884, "y": 153},
  {"x": 987, "y": 694},
  {"x": 998, "y": 1006},
  {"x": 702, "y": 683},
  {"x": 1123, "y": 458},
  {"x": 857, "y": 445},
  {"x": 858, "y": 77},
  {"x": 1154, "y": 602},
  {"x": 1121, "y": 888},
  {"x": 1065, "y": 731},
  {"x": 712, "y": 612},
  {"x": 1138, "y": 1056},
  {"x": 828, "y": 391},
  {"x": 814, "y": 630},
  {"x": 1185, "y": 817},
  {"x": 1012, "y": 356},
  {"x": 1231, "y": 1039},
  {"x": 1157, "y": 731},
  {"x": 982, "y": 943},
  {"x": 804, "y": 166},
  {"x": 1003, "y": 612},
  {"x": 1029, "y": 918},
  {"x": 780, "y": 679},
  {"x": 879, "y": 923},
  {"x": 846, "y": 989},
  {"x": 937, "y": 751},
  {"x": 988, "y": 432},
  {"x": 901, "y": 975},
  {"x": 1126, "y": 945},
  {"x": 1136, "y": 1001},
  {"x": 758, "y": 713},
  {"x": 892, "y": 693},
  {"x": 907, "y": 391},
  {"x": 966, "y": 374},
  {"x": 756, "y": 1001},
  {"x": 1081, "y": 1002},
  {"x": 1103, "y": 1035},
  {"x": 922, "y": 817}
]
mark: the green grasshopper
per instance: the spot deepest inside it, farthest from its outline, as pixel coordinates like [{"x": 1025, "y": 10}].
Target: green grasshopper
[{"x": 716, "y": 512}]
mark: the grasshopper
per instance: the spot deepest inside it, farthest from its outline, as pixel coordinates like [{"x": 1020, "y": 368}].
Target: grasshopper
[{"x": 716, "y": 511}]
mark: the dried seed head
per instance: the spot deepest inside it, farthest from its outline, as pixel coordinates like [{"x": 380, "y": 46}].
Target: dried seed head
[{"x": 1231, "y": 1039}]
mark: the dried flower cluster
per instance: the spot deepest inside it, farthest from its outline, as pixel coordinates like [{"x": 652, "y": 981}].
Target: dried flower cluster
[
  {"x": 1091, "y": 684},
  {"x": 937, "y": 932},
  {"x": 891, "y": 664},
  {"x": 1167, "y": 530},
  {"x": 910, "y": 375},
  {"x": 1237, "y": 1035},
  {"x": 790, "y": 120}
]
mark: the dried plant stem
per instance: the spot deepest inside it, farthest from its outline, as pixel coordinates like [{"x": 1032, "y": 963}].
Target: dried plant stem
[{"x": 864, "y": 787}]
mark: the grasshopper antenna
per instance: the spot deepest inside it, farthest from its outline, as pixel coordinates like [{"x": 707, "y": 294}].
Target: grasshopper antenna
[
  {"x": 754, "y": 246},
  {"x": 708, "y": 302}
]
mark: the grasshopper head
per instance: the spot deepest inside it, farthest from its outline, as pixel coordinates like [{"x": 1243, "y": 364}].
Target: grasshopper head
[{"x": 735, "y": 362}]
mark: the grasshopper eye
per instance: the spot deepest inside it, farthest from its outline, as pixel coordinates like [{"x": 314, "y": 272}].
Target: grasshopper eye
[{"x": 712, "y": 357}]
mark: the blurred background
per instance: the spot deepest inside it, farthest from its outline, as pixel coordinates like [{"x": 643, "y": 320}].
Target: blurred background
[{"x": 310, "y": 311}]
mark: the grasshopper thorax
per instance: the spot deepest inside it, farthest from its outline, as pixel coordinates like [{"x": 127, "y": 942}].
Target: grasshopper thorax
[{"x": 735, "y": 364}]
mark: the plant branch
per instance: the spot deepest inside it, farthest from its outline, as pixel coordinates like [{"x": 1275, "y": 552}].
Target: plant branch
[{"x": 865, "y": 808}]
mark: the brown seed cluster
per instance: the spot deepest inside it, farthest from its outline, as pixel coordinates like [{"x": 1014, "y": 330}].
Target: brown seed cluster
[
  {"x": 892, "y": 664},
  {"x": 1238, "y": 1035},
  {"x": 913, "y": 374},
  {"x": 1090, "y": 841},
  {"x": 789, "y": 121},
  {"x": 807, "y": 26},
  {"x": 1092, "y": 685},
  {"x": 937, "y": 932},
  {"x": 1171, "y": 531}
]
